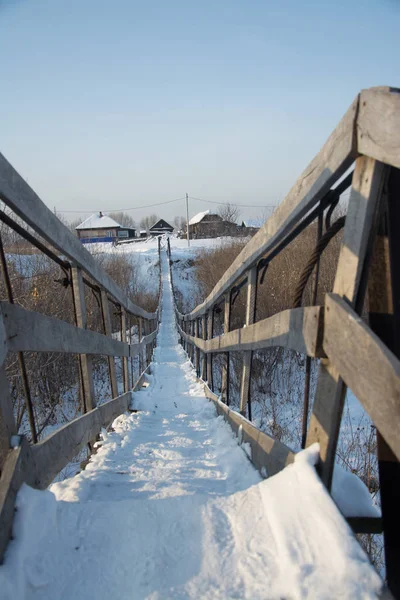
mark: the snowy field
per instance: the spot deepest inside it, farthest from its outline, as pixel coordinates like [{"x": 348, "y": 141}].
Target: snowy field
[{"x": 170, "y": 507}]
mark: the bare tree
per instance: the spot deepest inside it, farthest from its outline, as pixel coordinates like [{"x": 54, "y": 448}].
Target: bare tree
[
  {"x": 123, "y": 219},
  {"x": 229, "y": 212},
  {"x": 148, "y": 221},
  {"x": 179, "y": 223},
  {"x": 73, "y": 225}
]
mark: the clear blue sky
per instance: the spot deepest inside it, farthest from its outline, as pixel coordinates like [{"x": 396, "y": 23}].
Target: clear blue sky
[{"x": 106, "y": 105}]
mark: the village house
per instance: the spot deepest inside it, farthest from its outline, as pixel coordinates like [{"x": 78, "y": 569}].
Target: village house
[
  {"x": 250, "y": 226},
  {"x": 160, "y": 228},
  {"x": 209, "y": 225},
  {"x": 102, "y": 228}
]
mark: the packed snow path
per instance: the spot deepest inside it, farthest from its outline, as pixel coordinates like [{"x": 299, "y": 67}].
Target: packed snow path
[{"x": 170, "y": 507}]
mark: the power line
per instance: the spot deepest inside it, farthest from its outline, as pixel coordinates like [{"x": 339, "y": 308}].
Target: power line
[
  {"x": 124, "y": 209},
  {"x": 235, "y": 203},
  {"x": 262, "y": 206}
]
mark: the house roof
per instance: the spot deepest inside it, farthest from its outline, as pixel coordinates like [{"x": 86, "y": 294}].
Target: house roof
[
  {"x": 199, "y": 217},
  {"x": 98, "y": 221},
  {"x": 253, "y": 222},
  {"x": 161, "y": 224}
]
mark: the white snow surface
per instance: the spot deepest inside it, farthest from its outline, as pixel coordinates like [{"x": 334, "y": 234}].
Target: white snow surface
[
  {"x": 98, "y": 222},
  {"x": 171, "y": 507},
  {"x": 197, "y": 218}
]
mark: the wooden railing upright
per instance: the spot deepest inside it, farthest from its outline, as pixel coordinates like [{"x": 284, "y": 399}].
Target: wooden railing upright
[
  {"x": 351, "y": 353},
  {"x": 21, "y": 330}
]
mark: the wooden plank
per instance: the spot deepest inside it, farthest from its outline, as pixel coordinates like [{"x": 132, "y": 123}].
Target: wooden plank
[
  {"x": 141, "y": 379},
  {"x": 268, "y": 455},
  {"x": 210, "y": 333},
  {"x": 3, "y": 341},
  {"x": 203, "y": 355},
  {"x": 197, "y": 351},
  {"x": 7, "y": 422},
  {"x": 33, "y": 332},
  {"x": 365, "y": 524},
  {"x": 85, "y": 360},
  {"x": 366, "y": 365},
  {"x": 125, "y": 371},
  {"x": 17, "y": 469},
  {"x": 247, "y": 356},
  {"x": 39, "y": 464},
  {"x": 324, "y": 170},
  {"x": 384, "y": 320},
  {"x": 8, "y": 426},
  {"x": 52, "y": 454},
  {"x": 147, "y": 347},
  {"x": 378, "y": 124},
  {"x": 105, "y": 310},
  {"x": 140, "y": 336},
  {"x": 226, "y": 363},
  {"x": 368, "y": 179},
  {"x": 295, "y": 328},
  {"x": 17, "y": 194}
]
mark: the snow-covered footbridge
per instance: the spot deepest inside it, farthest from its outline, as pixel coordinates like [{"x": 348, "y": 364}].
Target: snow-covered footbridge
[{"x": 182, "y": 496}]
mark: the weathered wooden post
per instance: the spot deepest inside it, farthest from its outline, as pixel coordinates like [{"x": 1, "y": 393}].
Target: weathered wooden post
[
  {"x": 197, "y": 351},
  {"x": 245, "y": 399},
  {"x": 184, "y": 328},
  {"x": 349, "y": 283},
  {"x": 203, "y": 354},
  {"x": 146, "y": 332},
  {"x": 21, "y": 358},
  {"x": 225, "y": 366},
  {"x": 384, "y": 320},
  {"x": 125, "y": 370},
  {"x": 8, "y": 426},
  {"x": 140, "y": 335},
  {"x": 105, "y": 310},
  {"x": 192, "y": 346},
  {"x": 85, "y": 360},
  {"x": 210, "y": 333}
]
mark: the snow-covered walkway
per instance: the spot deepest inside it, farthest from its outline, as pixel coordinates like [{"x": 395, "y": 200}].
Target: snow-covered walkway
[{"x": 170, "y": 507}]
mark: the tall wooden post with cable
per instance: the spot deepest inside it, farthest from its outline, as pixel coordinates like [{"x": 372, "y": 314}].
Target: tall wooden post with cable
[{"x": 187, "y": 220}]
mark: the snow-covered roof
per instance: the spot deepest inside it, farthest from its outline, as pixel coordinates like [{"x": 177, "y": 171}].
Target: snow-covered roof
[
  {"x": 98, "y": 221},
  {"x": 199, "y": 217},
  {"x": 253, "y": 222}
]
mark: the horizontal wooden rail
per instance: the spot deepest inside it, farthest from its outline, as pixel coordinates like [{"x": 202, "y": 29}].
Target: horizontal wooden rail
[
  {"x": 20, "y": 197},
  {"x": 366, "y": 365},
  {"x": 365, "y": 524},
  {"x": 370, "y": 127},
  {"x": 297, "y": 329},
  {"x": 16, "y": 470},
  {"x": 30, "y": 331},
  {"x": 325, "y": 169},
  {"x": 268, "y": 455},
  {"x": 39, "y": 464},
  {"x": 52, "y": 454}
]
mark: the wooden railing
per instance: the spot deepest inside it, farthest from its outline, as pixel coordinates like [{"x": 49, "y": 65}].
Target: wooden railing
[
  {"x": 364, "y": 357},
  {"x": 37, "y": 463}
]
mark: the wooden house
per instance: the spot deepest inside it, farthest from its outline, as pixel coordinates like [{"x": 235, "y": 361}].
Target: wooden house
[
  {"x": 210, "y": 225},
  {"x": 102, "y": 228},
  {"x": 160, "y": 228}
]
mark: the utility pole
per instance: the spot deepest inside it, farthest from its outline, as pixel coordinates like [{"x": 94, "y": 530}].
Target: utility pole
[{"x": 187, "y": 219}]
